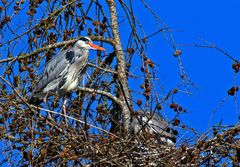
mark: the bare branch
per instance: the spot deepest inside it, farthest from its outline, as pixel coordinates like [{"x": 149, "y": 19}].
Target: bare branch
[
  {"x": 103, "y": 69},
  {"x": 107, "y": 94}
]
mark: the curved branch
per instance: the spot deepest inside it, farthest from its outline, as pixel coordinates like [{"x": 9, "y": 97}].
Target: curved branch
[{"x": 101, "y": 92}]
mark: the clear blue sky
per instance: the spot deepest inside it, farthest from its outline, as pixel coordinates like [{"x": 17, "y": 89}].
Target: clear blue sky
[{"x": 214, "y": 21}]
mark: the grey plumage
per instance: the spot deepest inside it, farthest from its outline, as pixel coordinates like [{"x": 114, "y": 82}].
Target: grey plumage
[
  {"x": 63, "y": 73},
  {"x": 153, "y": 123}
]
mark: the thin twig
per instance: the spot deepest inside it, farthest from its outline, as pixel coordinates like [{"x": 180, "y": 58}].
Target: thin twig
[
  {"x": 104, "y": 69},
  {"x": 72, "y": 118}
]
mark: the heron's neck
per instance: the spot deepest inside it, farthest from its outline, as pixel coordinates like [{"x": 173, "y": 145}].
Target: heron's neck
[{"x": 83, "y": 52}]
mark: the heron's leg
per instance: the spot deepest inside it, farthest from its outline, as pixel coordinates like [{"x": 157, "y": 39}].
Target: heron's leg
[
  {"x": 46, "y": 102},
  {"x": 85, "y": 77},
  {"x": 64, "y": 108},
  {"x": 83, "y": 80}
]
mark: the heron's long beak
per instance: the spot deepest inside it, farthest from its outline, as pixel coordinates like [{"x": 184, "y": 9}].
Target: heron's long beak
[{"x": 96, "y": 47}]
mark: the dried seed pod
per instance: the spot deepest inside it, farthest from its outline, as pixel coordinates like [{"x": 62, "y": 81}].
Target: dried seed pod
[
  {"x": 144, "y": 40},
  {"x": 230, "y": 139},
  {"x": 30, "y": 69},
  {"x": 230, "y": 92},
  {"x": 30, "y": 39},
  {"x": 146, "y": 70},
  {"x": 104, "y": 110},
  {"x": 173, "y": 105},
  {"x": 4, "y": 2},
  {"x": 9, "y": 71},
  {"x": 159, "y": 107},
  {"x": 148, "y": 61},
  {"x": 130, "y": 50},
  {"x": 146, "y": 95},
  {"x": 236, "y": 130},
  {"x": 17, "y": 7},
  {"x": 32, "y": 9},
  {"x": 96, "y": 23},
  {"x": 200, "y": 144},
  {"x": 149, "y": 89},
  {"x": 139, "y": 102},
  {"x": 38, "y": 33},
  {"x": 89, "y": 31},
  {"x": 176, "y": 122},
  {"x": 175, "y": 90},
  {"x": 99, "y": 108},
  {"x": 96, "y": 30},
  {"x": 184, "y": 147},
  {"x": 103, "y": 27},
  {"x": 145, "y": 63},
  {"x": 175, "y": 132},
  {"x": 146, "y": 82},
  {"x": 233, "y": 90},
  {"x": 177, "y": 53},
  {"x": 30, "y": 13},
  {"x": 31, "y": 75},
  {"x": 151, "y": 65},
  {"x": 99, "y": 119},
  {"x": 7, "y": 18},
  {"x": 64, "y": 2},
  {"x": 236, "y": 67},
  {"x": 180, "y": 108},
  {"x": 128, "y": 65},
  {"x": 78, "y": 19},
  {"x": 94, "y": 95},
  {"x": 102, "y": 32}
]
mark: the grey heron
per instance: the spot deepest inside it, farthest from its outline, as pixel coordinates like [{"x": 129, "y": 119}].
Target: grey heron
[
  {"x": 154, "y": 124},
  {"x": 63, "y": 73}
]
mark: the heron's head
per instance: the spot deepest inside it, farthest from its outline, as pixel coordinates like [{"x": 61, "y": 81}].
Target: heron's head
[{"x": 86, "y": 43}]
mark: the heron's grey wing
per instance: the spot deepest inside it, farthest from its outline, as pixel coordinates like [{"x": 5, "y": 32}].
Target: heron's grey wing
[
  {"x": 156, "y": 123},
  {"x": 55, "y": 68}
]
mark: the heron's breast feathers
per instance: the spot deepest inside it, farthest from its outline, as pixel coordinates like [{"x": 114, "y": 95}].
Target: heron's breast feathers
[{"x": 74, "y": 72}]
